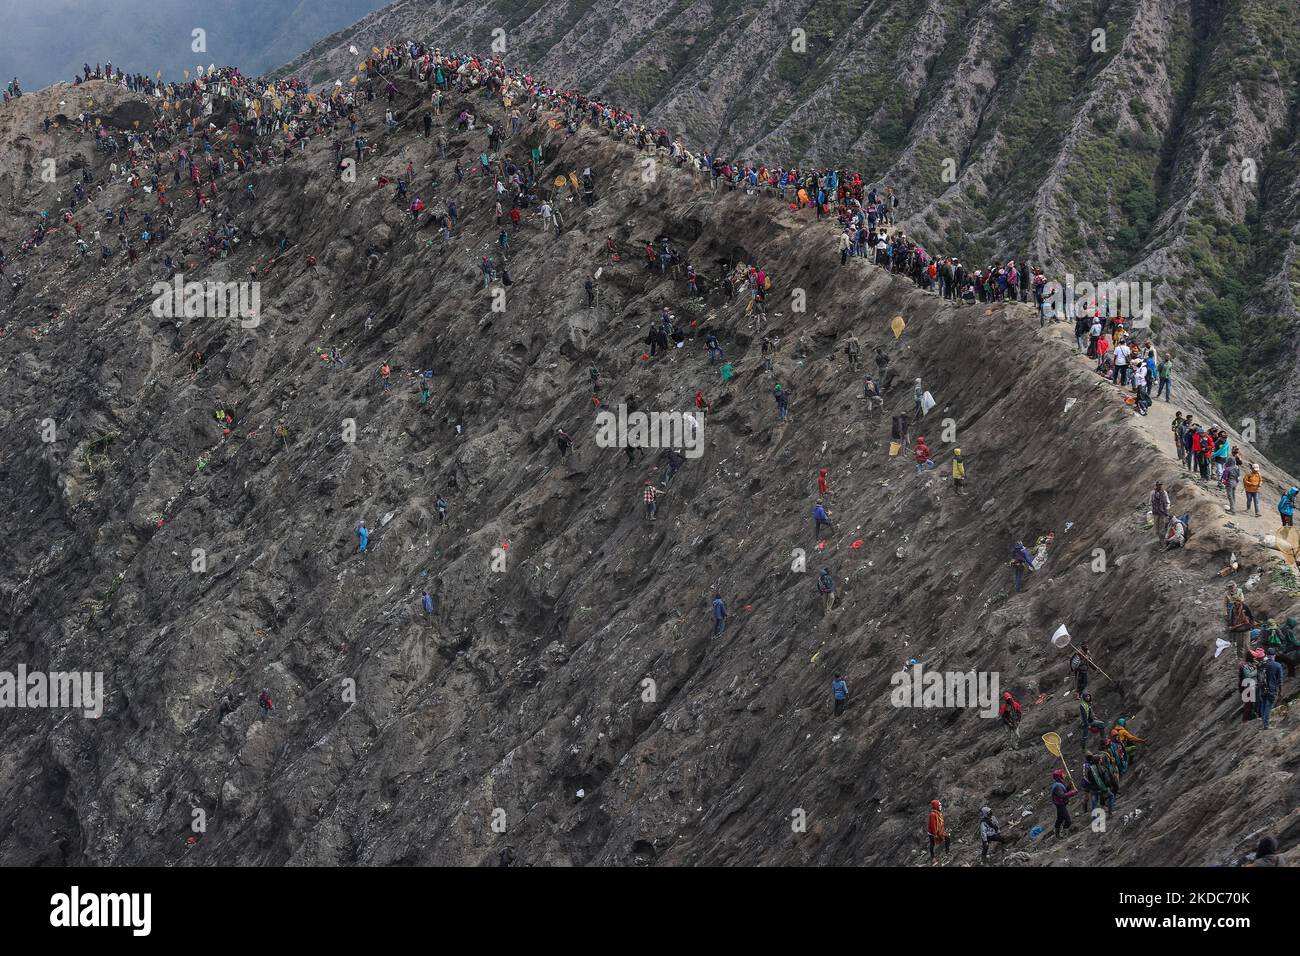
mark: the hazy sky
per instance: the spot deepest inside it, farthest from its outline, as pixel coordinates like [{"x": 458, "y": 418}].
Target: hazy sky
[{"x": 42, "y": 41}]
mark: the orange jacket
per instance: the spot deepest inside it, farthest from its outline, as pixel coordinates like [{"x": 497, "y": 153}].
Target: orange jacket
[
  {"x": 1252, "y": 481},
  {"x": 1127, "y": 738},
  {"x": 935, "y": 828}
]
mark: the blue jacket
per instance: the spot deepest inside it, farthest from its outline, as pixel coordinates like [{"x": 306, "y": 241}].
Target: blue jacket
[
  {"x": 1273, "y": 676},
  {"x": 363, "y": 536},
  {"x": 719, "y": 609},
  {"x": 1287, "y": 505},
  {"x": 840, "y": 689},
  {"x": 428, "y": 604},
  {"x": 819, "y": 513}
]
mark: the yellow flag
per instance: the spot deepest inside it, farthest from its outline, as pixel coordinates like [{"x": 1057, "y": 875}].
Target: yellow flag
[
  {"x": 893, "y": 448},
  {"x": 897, "y": 326}
]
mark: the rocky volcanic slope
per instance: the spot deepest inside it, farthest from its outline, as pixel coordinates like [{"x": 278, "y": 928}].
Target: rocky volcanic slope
[
  {"x": 530, "y": 684},
  {"x": 1161, "y": 150}
]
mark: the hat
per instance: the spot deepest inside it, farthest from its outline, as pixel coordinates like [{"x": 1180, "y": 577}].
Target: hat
[{"x": 956, "y": 451}]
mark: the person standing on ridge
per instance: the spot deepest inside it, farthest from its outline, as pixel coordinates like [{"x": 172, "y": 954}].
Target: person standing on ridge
[
  {"x": 719, "y": 615},
  {"x": 363, "y": 538},
  {"x": 1252, "y": 482}
]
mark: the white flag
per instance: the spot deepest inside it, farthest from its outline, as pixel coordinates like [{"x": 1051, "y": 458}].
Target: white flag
[
  {"x": 1062, "y": 637},
  {"x": 1220, "y": 645}
]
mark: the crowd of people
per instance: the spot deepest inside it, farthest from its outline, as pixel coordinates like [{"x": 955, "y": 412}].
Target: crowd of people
[{"x": 211, "y": 132}]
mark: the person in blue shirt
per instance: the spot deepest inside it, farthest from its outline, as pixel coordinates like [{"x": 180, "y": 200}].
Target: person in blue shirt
[
  {"x": 820, "y": 517},
  {"x": 427, "y": 601},
  {"x": 840, "y": 690},
  {"x": 363, "y": 538},
  {"x": 1286, "y": 507},
  {"x": 719, "y": 615}
]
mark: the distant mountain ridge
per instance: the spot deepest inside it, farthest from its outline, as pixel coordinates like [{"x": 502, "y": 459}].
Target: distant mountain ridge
[{"x": 46, "y": 42}]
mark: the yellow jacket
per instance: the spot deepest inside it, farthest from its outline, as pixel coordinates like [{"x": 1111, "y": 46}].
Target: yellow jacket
[
  {"x": 1127, "y": 738},
  {"x": 958, "y": 469},
  {"x": 1252, "y": 481}
]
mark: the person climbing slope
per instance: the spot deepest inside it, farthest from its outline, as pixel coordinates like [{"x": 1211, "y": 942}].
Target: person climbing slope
[
  {"x": 840, "y": 692},
  {"x": 935, "y": 828},
  {"x": 821, "y": 517},
  {"x": 719, "y": 615},
  {"x": 990, "y": 832},
  {"x": 651, "y": 504},
  {"x": 1061, "y": 795},
  {"x": 1011, "y": 715},
  {"x": 1286, "y": 506},
  {"x": 826, "y": 587}
]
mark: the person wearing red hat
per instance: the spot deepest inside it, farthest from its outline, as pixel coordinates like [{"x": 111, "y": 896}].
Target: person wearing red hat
[{"x": 923, "y": 459}]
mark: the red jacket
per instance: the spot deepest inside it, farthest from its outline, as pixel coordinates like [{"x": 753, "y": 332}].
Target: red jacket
[{"x": 935, "y": 827}]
